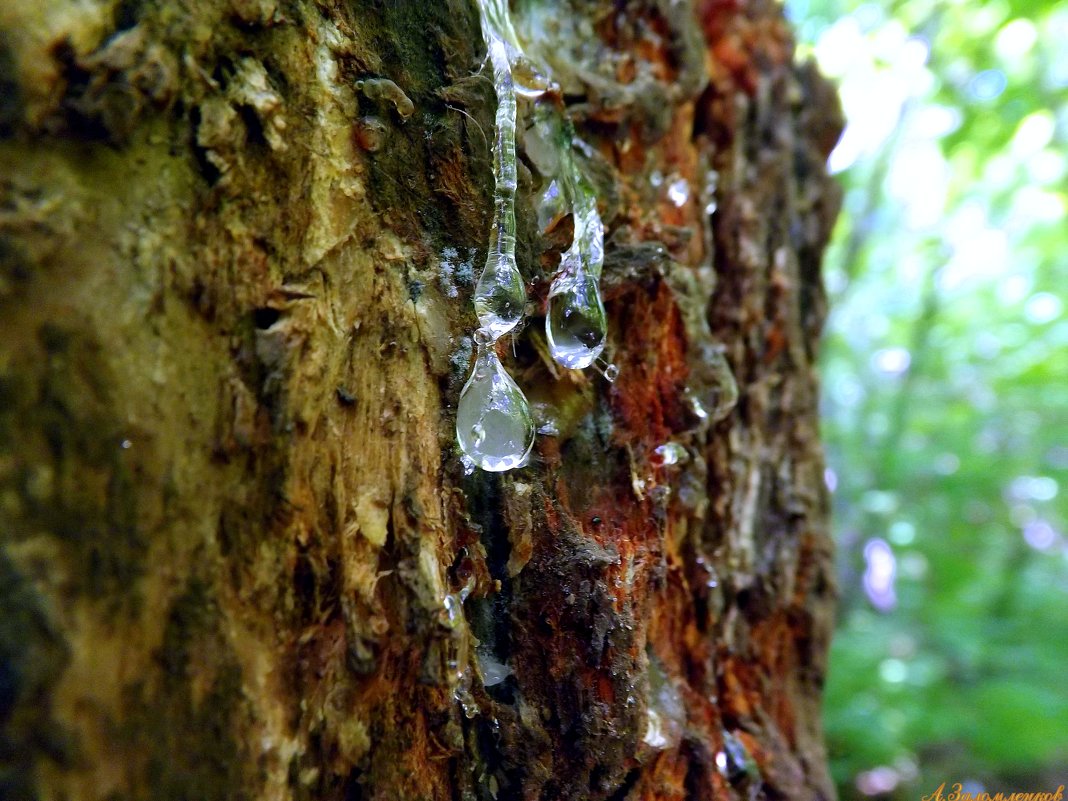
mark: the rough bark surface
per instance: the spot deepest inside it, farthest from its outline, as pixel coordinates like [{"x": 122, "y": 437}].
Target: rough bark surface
[{"x": 241, "y": 558}]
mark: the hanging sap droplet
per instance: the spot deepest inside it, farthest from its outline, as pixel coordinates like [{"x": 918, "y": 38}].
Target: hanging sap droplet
[
  {"x": 654, "y": 730},
  {"x": 672, "y": 453},
  {"x": 493, "y": 421},
  {"x": 492, "y": 669},
  {"x": 733, "y": 762},
  {"x": 679, "y": 192},
  {"x": 549, "y": 429},
  {"x": 712, "y": 391},
  {"x": 463, "y": 695},
  {"x": 530, "y": 81},
  {"x": 575, "y": 324},
  {"x": 454, "y": 611},
  {"x": 500, "y": 296}
]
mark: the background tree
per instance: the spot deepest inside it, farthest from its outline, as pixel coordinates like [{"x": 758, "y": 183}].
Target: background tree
[
  {"x": 945, "y": 406},
  {"x": 241, "y": 557}
]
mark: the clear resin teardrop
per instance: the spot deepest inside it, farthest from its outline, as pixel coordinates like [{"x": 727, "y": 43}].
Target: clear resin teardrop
[
  {"x": 500, "y": 296},
  {"x": 712, "y": 389},
  {"x": 494, "y": 425},
  {"x": 530, "y": 81},
  {"x": 575, "y": 324}
]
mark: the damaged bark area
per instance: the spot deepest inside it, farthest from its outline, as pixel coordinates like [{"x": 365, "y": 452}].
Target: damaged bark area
[{"x": 240, "y": 555}]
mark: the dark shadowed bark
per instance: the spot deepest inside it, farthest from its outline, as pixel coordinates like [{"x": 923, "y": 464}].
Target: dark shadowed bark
[{"x": 241, "y": 557}]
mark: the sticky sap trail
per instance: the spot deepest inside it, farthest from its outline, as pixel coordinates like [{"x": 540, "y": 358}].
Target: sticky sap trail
[
  {"x": 500, "y": 295},
  {"x": 575, "y": 324}
]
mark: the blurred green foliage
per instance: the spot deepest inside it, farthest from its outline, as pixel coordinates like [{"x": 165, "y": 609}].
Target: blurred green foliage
[{"x": 945, "y": 393}]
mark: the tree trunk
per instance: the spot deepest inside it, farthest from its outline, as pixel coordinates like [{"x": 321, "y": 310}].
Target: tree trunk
[{"x": 241, "y": 555}]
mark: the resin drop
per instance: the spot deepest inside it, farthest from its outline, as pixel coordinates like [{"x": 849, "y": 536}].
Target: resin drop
[
  {"x": 575, "y": 324},
  {"x": 712, "y": 391},
  {"x": 733, "y": 761},
  {"x": 671, "y": 453},
  {"x": 493, "y": 421},
  {"x": 500, "y": 296},
  {"x": 530, "y": 81}
]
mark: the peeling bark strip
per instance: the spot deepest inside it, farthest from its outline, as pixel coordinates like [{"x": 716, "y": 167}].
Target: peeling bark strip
[{"x": 240, "y": 556}]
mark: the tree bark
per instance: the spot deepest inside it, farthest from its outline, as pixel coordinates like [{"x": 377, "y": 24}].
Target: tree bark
[{"x": 241, "y": 557}]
